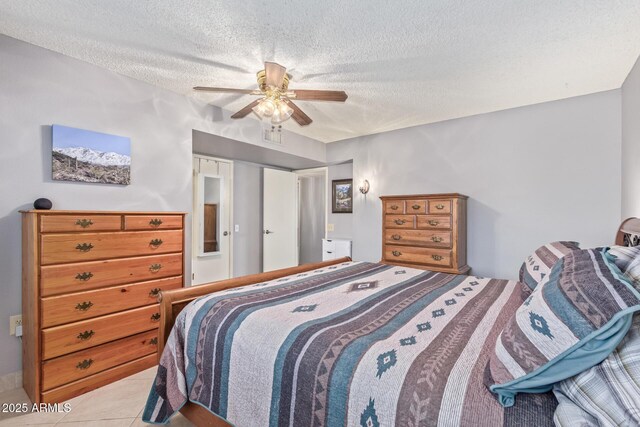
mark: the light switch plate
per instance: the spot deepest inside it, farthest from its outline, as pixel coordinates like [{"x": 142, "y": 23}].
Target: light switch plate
[
  {"x": 13, "y": 322},
  {"x": 330, "y": 227},
  {"x": 237, "y": 228}
]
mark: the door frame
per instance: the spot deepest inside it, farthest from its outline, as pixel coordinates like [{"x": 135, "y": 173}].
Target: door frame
[
  {"x": 194, "y": 243},
  {"x": 323, "y": 170}
]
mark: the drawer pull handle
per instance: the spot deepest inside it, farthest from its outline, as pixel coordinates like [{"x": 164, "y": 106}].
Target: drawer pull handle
[
  {"x": 84, "y": 364},
  {"x": 154, "y": 292},
  {"x": 399, "y": 221},
  {"x": 416, "y": 207},
  {"x": 394, "y": 207},
  {"x": 437, "y": 257},
  {"x": 156, "y": 222},
  {"x": 436, "y": 239},
  {"x": 433, "y": 222},
  {"x": 154, "y": 268},
  {"x": 84, "y": 223},
  {"x": 84, "y": 247},
  {"x": 155, "y": 317},
  {"x": 155, "y": 243},
  {"x": 84, "y": 306},
  {"x": 439, "y": 206},
  {"x": 396, "y": 237},
  {"x": 153, "y": 341},
  {"x": 86, "y": 335},
  {"x": 84, "y": 276},
  {"x": 396, "y": 253}
]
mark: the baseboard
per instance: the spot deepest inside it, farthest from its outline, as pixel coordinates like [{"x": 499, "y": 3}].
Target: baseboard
[{"x": 11, "y": 381}]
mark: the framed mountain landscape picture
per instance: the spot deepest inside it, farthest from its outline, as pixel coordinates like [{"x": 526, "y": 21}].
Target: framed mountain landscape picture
[
  {"x": 342, "y": 192},
  {"x": 85, "y": 156}
]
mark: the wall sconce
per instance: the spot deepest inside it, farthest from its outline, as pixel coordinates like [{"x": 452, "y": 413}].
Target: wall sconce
[{"x": 364, "y": 187}]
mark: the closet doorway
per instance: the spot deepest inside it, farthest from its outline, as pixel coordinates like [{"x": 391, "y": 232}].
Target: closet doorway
[
  {"x": 312, "y": 193},
  {"x": 212, "y": 250}
]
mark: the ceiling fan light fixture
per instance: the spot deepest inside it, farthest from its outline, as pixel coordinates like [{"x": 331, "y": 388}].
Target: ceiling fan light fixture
[
  {"x": 281, "y": 113},
  {"x": 265, "y": 108}
]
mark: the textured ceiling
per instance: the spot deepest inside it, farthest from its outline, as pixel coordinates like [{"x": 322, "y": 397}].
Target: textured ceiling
[{"x": 403, "y": 63}]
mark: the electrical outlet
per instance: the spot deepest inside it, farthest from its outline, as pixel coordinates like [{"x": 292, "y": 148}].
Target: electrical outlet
[
  {"x": 13, "y": 322},
  {"x": 330, "y": 227}
]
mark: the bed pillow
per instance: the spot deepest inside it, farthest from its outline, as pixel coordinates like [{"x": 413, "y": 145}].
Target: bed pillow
[
  {"x": 608, "y": 393},
  {"x": 568, "y": 324},
  {"x": 633, "y": 271},
  {"x": 622, "y": 256},
  {"x": 537, "y": 266}
]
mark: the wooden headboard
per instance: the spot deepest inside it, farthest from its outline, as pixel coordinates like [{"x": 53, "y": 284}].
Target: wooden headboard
[
  {"x": 629, "y": 232},
  {"x": 173, "y": 301}
]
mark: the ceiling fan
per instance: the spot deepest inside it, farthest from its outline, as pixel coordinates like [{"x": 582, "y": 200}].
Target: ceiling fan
[{"x": 276, "y": 97}]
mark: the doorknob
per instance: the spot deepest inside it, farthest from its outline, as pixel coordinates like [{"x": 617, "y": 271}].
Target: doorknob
[
  {"x": 226, "y": 233},
  {"x": 268, "y": 232}
]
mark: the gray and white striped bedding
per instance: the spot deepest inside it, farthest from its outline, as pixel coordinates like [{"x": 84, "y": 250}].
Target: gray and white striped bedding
[{"x": 357, "y": 344}]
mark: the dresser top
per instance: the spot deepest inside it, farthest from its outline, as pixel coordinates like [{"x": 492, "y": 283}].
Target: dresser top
[
  {"x": 71, "y": 212},
  {"x": 426, "y": 196}
]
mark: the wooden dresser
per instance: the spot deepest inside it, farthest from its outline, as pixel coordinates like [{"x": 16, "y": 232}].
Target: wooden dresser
[
  {"x": 427, "y": 231},
  {"x": 90, "y": 282}
]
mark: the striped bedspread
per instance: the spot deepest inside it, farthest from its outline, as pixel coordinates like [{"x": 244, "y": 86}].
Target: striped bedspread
[{"x": 355, "y": 344}]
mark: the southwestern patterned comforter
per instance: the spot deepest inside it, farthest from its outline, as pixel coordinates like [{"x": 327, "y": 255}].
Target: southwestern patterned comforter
[{"x": 355, "y": 344}]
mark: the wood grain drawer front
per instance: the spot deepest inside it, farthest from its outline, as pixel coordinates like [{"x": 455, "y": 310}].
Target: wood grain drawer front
[
  {"x": 437, "y": 239},
  {"x": 416, "y": 206},
  {"x": 61, "y": 248},
  {"x": 439, "y": 206},
  {"x": 434, "y": 221},
  {"x": 152, "y": 222},
  {"x": 77, "y": 336},
  {"x": 86, "y": 305},
  {"x": 399, "y": 221},
  {"x": 64, "y": 223},
  {"x": 57, "y": 279},
  {"x": 439, "y": 257},
  {"x": 76, "y": 388},
  {"x": 81, "y": 364},
  {"x": 394, "y": 207}
]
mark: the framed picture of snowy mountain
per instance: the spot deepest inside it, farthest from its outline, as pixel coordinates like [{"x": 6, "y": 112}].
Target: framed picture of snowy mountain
[{"x": 86, "y": 156}]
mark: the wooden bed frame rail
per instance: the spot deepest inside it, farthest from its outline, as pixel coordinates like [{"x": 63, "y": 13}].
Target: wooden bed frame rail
[{"x": 173, "y": 301}]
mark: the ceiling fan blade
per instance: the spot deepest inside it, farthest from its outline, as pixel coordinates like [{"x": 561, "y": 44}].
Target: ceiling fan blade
[
  {"x": 318, "y": 95},
  {"x": 299, "y": 115},
  {"x": 274, "y": 74},
  {"x": 227, "y": 90},
  {"x": 246, "y": 110}
]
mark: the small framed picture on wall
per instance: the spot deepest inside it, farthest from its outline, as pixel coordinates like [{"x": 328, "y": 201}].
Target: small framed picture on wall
[{"x": 342, "y": 196}]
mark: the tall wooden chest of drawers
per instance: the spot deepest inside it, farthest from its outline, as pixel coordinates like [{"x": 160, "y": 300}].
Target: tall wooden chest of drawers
[
  {"x": 427, "y": 231},
  {"x": 90, "y": 282}
]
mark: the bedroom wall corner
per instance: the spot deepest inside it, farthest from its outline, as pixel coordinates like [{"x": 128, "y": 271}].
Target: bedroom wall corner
[
  {"x": 631, "y": 143},
  {"x": 342, "y": 222}
]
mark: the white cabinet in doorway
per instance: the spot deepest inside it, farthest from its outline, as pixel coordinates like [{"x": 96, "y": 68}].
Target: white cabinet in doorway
[{"x": 335, "y": 248}]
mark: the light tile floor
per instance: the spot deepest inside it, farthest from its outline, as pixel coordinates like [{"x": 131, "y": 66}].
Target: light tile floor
[{"x": 118, "y": 404}]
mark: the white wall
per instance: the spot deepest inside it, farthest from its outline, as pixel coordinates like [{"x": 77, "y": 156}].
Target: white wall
[
  {"x": 631, "y": 143},
  {"x": 39, "y": 88},
  {"x": 342, "y": 222},
  {"x": 533, "y": 175}
]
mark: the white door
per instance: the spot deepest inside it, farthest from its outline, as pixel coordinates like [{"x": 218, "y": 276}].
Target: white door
[
  {"x": 280, "y": 220},
  {"x": 212, "y": 219}
]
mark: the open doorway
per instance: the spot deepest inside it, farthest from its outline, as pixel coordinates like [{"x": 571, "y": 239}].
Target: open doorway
[{"x": 312, "y": 218}]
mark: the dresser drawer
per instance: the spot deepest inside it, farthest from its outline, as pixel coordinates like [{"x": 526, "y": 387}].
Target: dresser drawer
[
  {"x": 434, "y": 221},
  {"x": 76, "y": 336},
  {"x": 61, "y": 248},
  {"x": 436, "y": 257},
  {"x": 437, "y": 239},
  {"x": 399, "y": 221},
  {"x": 394, "y": 207},
  {"x": 416, "y": 206},
  {"x": 439, "y": 206},
  {"x": 64, "y": 223},
  {"x": 81, "y": 364},
  {"x": 84, "y": 385},
  {"x": 86, "y": 305},
  {"x": 152, "y": 222},
  {"x": 57, "y": 279}
]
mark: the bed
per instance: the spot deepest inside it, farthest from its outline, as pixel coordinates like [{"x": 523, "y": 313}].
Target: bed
[{"x": 340, "y": 343}]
